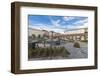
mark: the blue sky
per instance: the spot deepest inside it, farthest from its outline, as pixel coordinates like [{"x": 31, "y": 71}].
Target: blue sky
[{"x": 56, "y": 23}]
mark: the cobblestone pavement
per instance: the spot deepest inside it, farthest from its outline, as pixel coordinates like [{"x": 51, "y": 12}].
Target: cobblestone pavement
[{"x": 77, "y": 52}]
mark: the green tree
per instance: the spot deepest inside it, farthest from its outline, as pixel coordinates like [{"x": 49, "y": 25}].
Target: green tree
[
  {"x": 39, "y": 36},
  {"x": 33, "y": 36}
]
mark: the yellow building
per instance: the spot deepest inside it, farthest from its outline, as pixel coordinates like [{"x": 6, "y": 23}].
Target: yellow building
[{"x": 77, "y": 34}]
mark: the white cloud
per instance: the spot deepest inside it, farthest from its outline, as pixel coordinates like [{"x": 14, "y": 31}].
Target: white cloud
[
  {"x": 85, "y": 25},
  {"x": 44, "y": 27},
  {"x": 67, "y": 18},
  {"x": 41, "y": 27},
  {"x": 56, "y": 27},
  {"x": 78, "y": 24},
  {"x": 81, "y": 22},
  {"x": 55, "y": 23}
]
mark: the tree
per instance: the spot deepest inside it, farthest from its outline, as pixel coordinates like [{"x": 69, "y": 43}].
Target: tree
[
  {"x": 33, "y": 36},
  {"x": 39, "y": 36}
]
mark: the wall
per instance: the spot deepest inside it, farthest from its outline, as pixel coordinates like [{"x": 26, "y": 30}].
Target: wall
[{"x": 5, "y": 42}]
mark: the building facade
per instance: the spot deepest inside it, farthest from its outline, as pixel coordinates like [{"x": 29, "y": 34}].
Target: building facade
[
  {"x": 70, "y": 35},
  {"x": 35, "y": 32},
  {"x": 77, "y": 34},
  {"x": 42, "y": 33}
]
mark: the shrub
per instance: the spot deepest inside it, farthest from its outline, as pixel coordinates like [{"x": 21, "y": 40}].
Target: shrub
[
  {"x": 84, "y": 41},
  {"x": 48, "y": 52},
  {"x": 64, "y": 52},
  {"x": 76, "y": 45},
  {"x": 30, "y": 52}
]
